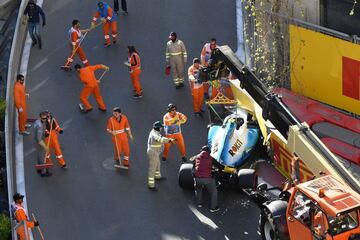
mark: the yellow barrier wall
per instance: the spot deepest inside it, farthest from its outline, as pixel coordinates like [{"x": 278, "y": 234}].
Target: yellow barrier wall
[{"x": 325, "y": 68}]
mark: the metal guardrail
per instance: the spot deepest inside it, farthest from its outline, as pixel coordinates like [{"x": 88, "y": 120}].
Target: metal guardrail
[{"x": 13, "y": 69}]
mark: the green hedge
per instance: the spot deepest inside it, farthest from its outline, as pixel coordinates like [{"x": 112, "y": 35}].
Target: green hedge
[{"x": 5, "y": 227}]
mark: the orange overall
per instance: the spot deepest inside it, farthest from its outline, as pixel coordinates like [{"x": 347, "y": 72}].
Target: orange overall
[
  {"x": 119, "y": 137},
  {"x": 51, "y": 140},
  {"x": 173, "y": 130},
  {"x": 110, "y": 23},
  {"x": 75, "y": 39},
  {"x": 135, "y": 70},
  {"x": 87, "y": 76},
  {"x": 20, "y": 215},
  {"x": 197, "y": 89},
  {"x": 20, "y": 103}
]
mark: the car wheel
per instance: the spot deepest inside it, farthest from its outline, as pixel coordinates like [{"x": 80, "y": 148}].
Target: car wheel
[
  {"x": 268, "y": 231},
  {"x": 186, "y": 179},
  {"x": 247, "y": 179}
]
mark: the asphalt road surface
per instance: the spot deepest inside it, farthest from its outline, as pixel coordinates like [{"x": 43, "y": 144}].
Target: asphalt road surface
[{"x": 92, "y": 200}]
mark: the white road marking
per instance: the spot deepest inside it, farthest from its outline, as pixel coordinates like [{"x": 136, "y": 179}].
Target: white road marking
[
  {"x": 39, "y": 64},
  {"x": 39, "y": 85},
  {"x": 65, "y": 125},
  {"x": 204, "y": 219},
  {"x": 30, "y": 151}
]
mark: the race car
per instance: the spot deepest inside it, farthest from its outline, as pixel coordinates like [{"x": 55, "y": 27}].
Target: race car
[{"x": 232, "y": 142}]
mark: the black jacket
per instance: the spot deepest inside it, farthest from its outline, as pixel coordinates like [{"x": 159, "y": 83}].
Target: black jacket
[{"x": 34, "y": 13}]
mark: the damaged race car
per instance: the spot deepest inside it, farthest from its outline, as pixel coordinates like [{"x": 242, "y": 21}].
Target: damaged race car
[{"x": 235, "y": 143}]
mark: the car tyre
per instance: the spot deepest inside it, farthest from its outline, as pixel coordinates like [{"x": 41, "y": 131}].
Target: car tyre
[{"x": 186, "y": 179}]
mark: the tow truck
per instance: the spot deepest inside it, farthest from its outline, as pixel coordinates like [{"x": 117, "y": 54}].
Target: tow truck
[{"x": 292, "y": 214}]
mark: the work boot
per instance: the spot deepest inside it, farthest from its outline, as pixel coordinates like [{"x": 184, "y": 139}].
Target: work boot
[
  {"x": 152, "y": 189},
  {"x": 136, "y": 96},
  {"x": 33, "y": 43},
  {"x": 64, "y": 166},
  {"x": 184, "y": 159},
  {"x": 197, "y": 114},
  {"x": 103, "y": 110},
  {"x": 164, "y": 159},
  {"x": 24, "y": 133},
  {"x": 40, "y": 46},
  {"x": 46, "y": 174},
  {"x": 86, "y": 110},
  {"x": 107, "y": 44},
  {"x": 114, "y": 41},
  {"x": 161, "y": 178}
]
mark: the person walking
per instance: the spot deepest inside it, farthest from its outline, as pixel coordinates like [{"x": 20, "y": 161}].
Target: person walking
[
  {"x": 203, "y": 178},
  {"x": 123, "y": 6},
  {"x": 155, "y": 145},
  {"x": 41, "y": 147},
  {"x": 119, "y": 128},
  {"x": 176, "y": 57},
  {"x": 91, "y": 86},
  {"x": 33, "y": 12},
  {"x": 172, "y": 125},
  {"x": 107, "y": 15},
  {"x": 76, "y": 37},
  {"x": 20, "y": 103},
  {"x": 134, "y": 65},
  {"x": 19, "y": 214},
  {"x": 197, "y": 88}
]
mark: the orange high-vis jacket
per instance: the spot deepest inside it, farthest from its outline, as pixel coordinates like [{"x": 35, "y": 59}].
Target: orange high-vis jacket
[
  {"x": 134, "y": 61},
  {"x": 20, "y": 215},
  {"x": 108, "y": 17},
  {"x": 172, "y": 124},
  {"x": 118, "y": 127},
  {"x": 19, "y": 95},
  {"x": 87, "y": 75},
  {"x": 75, "y": 36}
]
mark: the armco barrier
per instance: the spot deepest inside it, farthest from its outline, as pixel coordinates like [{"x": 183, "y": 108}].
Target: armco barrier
[{"x": 14, "y": 64}]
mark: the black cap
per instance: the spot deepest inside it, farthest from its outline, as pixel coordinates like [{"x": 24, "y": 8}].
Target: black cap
[
  {"x": 196, "y": 60},
  {"x": 170, "y": 107},
  {"x": 172, "y": 34},
  {"x": 157, "y": 124},
  {"x": 17, "y": 196},
  {"x": 77, "y": 66},
  {"x": 117, "y": 109},
  {"x": 206, "y": 149}
]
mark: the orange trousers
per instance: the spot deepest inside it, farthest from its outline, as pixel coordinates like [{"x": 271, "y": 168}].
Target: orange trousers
[
  {"x": 86, "y": 92},
  {"x": 198, "y": 98},
  {"x": 21, "y": 233},
  {"x": 121, "y": 146},
  {"x": 179, "y": 142},
  {"x": 55, "y": 147},
  {"x": 22, "y": 119},
  {"x": 80, "y": 52},
  {"x": 135, "y": 80},
  {"x": 214, "y": 91},
  {"x": 228, "y": 93},
  {"x": 106, "y": 30}
]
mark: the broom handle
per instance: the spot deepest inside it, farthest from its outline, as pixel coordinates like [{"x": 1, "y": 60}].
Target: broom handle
[{"x": 38, "y": 227}]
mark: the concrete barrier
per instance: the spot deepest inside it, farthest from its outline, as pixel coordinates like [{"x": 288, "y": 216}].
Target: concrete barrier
[{"x": 13, "y": 70}]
